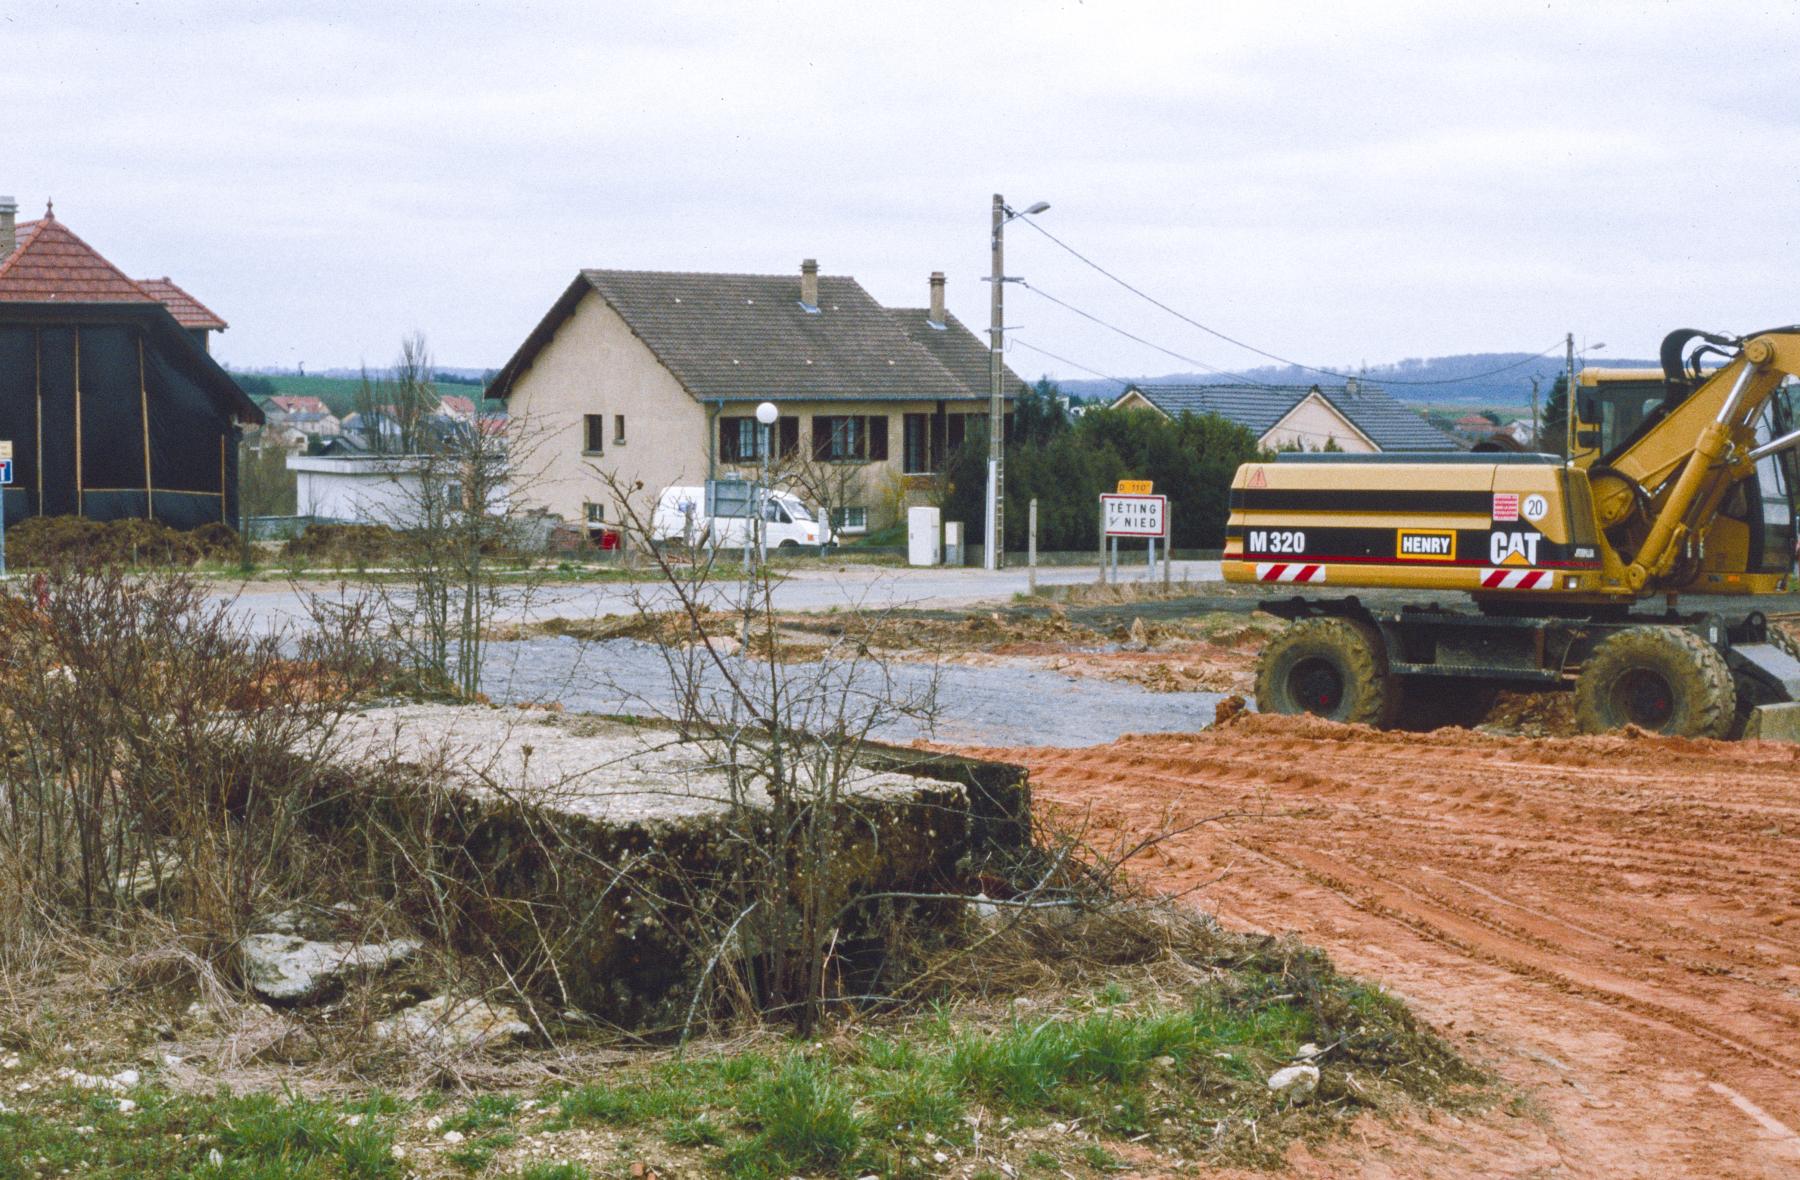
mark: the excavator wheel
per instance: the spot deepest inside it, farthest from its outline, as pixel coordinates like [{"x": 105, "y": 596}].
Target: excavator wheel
[
  {"x": 1662, "y": 679},
  {"x": 1331, "y": 667}
]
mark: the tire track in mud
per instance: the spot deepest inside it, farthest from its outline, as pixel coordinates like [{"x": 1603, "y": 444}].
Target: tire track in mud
[{"x": 1656, "y": 878}]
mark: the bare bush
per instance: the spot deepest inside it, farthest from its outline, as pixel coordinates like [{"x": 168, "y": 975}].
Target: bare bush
[{"x": 156, "y": 748}]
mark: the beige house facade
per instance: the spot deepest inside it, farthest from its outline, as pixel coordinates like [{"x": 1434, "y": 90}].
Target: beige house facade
[
  {"x": 1356, "y": 417},
  {"x": 643, "y": 380}
]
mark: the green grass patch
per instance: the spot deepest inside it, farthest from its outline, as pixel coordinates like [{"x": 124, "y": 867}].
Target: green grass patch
[{"x": 1185, "y": 1076}]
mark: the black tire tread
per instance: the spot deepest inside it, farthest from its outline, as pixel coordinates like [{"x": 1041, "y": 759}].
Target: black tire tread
[
  {"x": 1695, "y": 669},
  {"x": 1371, "y": 694}
]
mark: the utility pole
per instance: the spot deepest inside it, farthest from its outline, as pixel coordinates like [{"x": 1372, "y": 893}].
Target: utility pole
[
  {"x": 994, "y": 527},
  {"x": 1537, "y": 433}
]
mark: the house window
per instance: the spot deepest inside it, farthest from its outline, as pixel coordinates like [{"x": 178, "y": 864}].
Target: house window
[
  {"x": 915, "y": 445},
  {"x": 740, "y": 440},
  {"x": 850, "y": 519},
  {"x": 842, "y": 438},
  {"x": 595, "y": 515},
  {"x": 594, "y": 434},
  {"x": 956, "y": 430},
  {"x": 618, "y": 430}
]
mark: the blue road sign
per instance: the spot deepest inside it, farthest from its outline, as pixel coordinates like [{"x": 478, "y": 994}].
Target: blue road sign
[{"x": 5, "y": 471}]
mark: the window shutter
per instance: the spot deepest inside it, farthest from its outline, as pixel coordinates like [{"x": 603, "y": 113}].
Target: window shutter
[
  {"x": 728, "y": 440},
  {"x": 878, "y": 424},
  {"x": 821, "y": 437},
  {"x": 790, "y": 436}
]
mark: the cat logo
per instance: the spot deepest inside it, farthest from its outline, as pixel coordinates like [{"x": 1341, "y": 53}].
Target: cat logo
[
  {"x": 1410, "y": 545},
  {"x": 1507, "y": 548}
]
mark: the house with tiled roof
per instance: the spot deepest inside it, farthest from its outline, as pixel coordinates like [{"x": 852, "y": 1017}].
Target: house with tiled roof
[
  {"x": 654, "y": 377},
  {"x": 1355, "y": 416},
  {"x": 289, "y": 403},
  {"x": 112, "y": 402}
]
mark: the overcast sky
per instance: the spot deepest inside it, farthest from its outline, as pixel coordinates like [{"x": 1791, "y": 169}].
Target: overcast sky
[{"x": 1337, "y": 184}]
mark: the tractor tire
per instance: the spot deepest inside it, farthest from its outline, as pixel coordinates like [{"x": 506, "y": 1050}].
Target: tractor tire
[
  {"x": 1662, "y": 679},
  {"x": 1334, "y": 668},
  {"x": 1428, "y": 703}
]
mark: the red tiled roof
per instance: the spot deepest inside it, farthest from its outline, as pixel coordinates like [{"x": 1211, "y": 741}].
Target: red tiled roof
[
  {"x": 50, "y": 264},
  {"x": 188, "y": 311},
  {"x": 297, "y": 404},
  {"x": 457, "y": 405}
]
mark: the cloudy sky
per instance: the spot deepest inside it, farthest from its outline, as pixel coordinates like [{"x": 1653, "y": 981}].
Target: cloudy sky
[{"x": 1337, "y": 184}]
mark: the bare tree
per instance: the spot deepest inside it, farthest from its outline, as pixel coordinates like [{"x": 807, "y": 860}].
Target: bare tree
[
  {"x": 789, "y": 737},
  {"x": 265, "y": 487},
  {"x": 463, "y": 549},
  {"x": 396, "y": 410}
]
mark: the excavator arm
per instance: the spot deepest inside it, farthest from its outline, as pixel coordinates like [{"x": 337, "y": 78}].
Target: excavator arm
[{"x": 1679, "y": 471}]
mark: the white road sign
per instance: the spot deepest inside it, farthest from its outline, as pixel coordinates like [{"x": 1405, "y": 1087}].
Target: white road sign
[{"x": 1136, "y": 516}]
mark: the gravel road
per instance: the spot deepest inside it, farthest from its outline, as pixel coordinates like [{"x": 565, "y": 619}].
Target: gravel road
[{"x": 974, "y": 705}]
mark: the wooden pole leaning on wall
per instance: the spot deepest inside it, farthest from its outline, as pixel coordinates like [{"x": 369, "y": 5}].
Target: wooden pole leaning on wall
[
  {"x": 144, "y": 414},
  {"x": 80, "y": 495},
  {"x": 38, "y": 355}
]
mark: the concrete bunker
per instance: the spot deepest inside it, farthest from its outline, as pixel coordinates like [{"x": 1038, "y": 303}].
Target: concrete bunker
[{"x": 600, "y": 859}]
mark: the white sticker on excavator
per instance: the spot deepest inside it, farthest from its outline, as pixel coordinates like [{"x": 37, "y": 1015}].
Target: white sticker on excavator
[
  {"x": 1507, "y": 548},
  {"x": 1536, "y": 508}
]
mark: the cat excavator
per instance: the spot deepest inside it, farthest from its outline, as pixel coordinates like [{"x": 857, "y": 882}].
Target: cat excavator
[{"x": 1678, "y": 481}]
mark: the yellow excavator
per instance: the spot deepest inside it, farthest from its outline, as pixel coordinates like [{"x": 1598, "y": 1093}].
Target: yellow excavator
[{"x": 1675, "y": 481}]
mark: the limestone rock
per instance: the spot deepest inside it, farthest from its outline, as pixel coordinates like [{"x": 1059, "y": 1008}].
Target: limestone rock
[
  {"x": 291, "y": 969},
  {"x": 1296, "y": 1080},
  {"x": 449, "y": 1022}
]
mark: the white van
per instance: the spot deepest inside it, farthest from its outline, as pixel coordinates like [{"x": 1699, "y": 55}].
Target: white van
[{"x": 788, "y": 523}]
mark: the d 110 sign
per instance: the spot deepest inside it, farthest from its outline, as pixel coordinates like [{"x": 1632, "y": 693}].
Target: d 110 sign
[{"x": 1135, "y": 516}]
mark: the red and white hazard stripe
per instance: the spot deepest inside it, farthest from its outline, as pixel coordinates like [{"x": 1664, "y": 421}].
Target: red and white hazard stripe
[
  {"x": 1289, "y": 571},
  {"x": 1516, "y": 579}
]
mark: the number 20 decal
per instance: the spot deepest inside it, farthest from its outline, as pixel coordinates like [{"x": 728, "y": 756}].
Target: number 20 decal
[{"x": 1277, "y": 541}]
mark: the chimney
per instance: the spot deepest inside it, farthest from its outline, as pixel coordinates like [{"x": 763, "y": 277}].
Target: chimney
[
  {"x": 809, "y": 283},
  {"x": 937, "y": 298},
  {"x": 9, "y": 225}
]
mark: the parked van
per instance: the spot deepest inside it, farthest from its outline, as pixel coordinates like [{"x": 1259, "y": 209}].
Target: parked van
[{"x": 681, "y": 515}]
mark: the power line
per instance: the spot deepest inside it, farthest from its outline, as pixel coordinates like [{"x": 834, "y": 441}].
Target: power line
[
  {"x": 1074, "y": 364},
  {"x": 1294, "y": 430},
  {"x": 1187, "y": 319},
  {"x": 1183, "y": 357}
]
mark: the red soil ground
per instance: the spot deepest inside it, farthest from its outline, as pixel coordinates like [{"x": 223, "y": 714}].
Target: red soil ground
[{"x": 1612, "y": 924}]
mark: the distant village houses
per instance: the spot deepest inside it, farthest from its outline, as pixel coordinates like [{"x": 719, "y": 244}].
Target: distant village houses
[
  {"x": 108, "y": 391},
  {"x": 655, "y": 377},
  {"x": 1355, "y": 417}
]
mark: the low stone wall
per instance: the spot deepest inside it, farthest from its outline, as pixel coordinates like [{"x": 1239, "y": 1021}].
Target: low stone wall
[{"x": 602, "y": 859}]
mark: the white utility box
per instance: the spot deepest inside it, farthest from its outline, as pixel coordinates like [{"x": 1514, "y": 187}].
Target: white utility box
[
  {"x": 924, "y": 542},
  {"x": 953, "y": 543}
]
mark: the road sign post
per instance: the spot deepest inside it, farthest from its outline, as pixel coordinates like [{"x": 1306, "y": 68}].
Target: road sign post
[{"x": 1134, "y": 515}]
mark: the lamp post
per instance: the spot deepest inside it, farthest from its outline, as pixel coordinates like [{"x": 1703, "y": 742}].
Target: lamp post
[
  {"x": 993, "y": 531},
  {"x": 768, "y": 413}
]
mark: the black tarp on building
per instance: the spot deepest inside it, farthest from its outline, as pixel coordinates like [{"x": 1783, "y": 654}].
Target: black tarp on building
[{"x": 115, "y": 411}]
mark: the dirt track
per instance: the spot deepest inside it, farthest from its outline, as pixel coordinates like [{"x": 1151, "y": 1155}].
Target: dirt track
[{"x": 1611, "y": 923}]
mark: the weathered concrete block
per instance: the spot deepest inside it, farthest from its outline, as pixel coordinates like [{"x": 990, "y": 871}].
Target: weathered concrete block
[
  {"x": 1774, "y": 723},
  {"x": 601, "y": 859}
]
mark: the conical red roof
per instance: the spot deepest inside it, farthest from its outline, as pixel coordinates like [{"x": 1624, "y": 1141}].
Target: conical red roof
[{"x": 52, "y": 265}]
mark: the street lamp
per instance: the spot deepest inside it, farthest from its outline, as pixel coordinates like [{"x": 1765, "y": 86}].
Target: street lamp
[
  {"x": 994, "y": 525},
  {"x": 768, "y": 413}
]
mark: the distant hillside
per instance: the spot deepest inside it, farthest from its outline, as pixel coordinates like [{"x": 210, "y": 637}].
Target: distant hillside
[{"x": 1439, "y": 381}]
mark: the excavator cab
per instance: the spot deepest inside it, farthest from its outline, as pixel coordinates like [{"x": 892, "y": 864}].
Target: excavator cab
[{"x": 1756, "y": 529}]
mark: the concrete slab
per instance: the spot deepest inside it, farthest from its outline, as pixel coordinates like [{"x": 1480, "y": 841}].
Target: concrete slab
[{"x": 604, "y": 861}]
